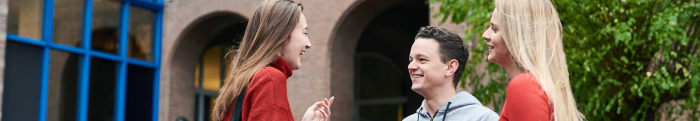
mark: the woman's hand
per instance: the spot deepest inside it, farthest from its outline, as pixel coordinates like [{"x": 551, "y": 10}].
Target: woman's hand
[{"x": 319, "y": 111}]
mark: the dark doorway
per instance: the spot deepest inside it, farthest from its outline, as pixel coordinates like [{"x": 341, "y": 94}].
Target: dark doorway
[{"x": 382, "y": 84}]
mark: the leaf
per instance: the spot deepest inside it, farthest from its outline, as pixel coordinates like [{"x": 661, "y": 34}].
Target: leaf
[{"x": 605, "y": 57}]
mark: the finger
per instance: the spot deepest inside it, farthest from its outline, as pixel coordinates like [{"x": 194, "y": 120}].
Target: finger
[
  {"x": 320, "y": 106},
  {"x": 314, "y": 106},
  {"x": 324, "y": 114},
  {"x": 326, "y": 109},
  {"x": 331, "y": 100}
]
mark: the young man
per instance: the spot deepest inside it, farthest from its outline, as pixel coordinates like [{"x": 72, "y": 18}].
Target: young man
[{"x": 436, "y": 63}]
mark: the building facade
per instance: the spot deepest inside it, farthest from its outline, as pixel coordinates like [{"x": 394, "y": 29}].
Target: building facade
[{"x": 64, "y": 58}]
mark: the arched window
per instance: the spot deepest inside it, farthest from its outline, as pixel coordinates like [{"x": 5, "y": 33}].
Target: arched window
[{"x": 212, "y": 69}]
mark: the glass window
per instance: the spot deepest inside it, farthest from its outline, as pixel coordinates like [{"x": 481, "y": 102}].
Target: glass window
[
  {"x": 105, "y": 24},
  {"x": 22, "y": 87},
  {"x": 196, "y": 76},
  {"x": 210, "y": 77},
  {"x": 79, "y": 85},
  {"x": 212, "y": 69},
  {"x": 24, "y": 18},
  {"x": 102, "y": 87},
  {"x": 141, "y": 27},
  {"x": 63, "y": 86},
  {"x": 68, "y": 22},
  {"x": 139, "y": 96}
]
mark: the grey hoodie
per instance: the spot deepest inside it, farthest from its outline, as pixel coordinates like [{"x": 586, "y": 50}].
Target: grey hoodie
[{"x": 461, "y": 107}]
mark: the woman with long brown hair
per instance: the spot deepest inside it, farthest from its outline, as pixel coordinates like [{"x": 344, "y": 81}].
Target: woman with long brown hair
[
  {"x": 273, "y": 45},
  {"x": 525, "y": 38}
]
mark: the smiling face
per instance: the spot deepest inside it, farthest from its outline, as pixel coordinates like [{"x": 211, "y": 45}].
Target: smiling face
[
  {"x": 425, "y": 67},
  {"x": 498, "y": 51},
  {"x": 297, "y": 44}
]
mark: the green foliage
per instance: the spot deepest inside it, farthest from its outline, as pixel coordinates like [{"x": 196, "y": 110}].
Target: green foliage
[{"x": 610, "y": 45}]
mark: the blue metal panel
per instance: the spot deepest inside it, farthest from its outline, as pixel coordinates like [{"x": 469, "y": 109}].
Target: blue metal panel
[
  {"x": 141, "y": 63},
  {"x": 44, "y": 84},
  {"x": 25, "y": 40},
  {"x": 46, "y": 36},
  {"x": 146, "y": 4},
  {"x": 123, "y": 38},
  {"x": 156, "y": 60},
  {"x": 120, "y": 98},
  {"x": 84, "y": 79},
  {"x": 47, "y": 33},
  {"x": 107, "y": 56},
  {"x": 67, "y": 48}
]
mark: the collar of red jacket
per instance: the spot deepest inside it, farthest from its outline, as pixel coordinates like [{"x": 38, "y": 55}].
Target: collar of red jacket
[{"x": 282, "y": 65}]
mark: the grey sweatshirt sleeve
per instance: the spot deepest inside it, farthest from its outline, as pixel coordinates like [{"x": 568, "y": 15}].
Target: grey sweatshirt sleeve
[
  {"x": 489, "y": 116},
  {"x": 412, "y": 117}
]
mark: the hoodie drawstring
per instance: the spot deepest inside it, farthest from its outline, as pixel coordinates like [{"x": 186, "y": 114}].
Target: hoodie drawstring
[
  {"x": 445, "y": 113},
  {"x": 418, "y": 119}
]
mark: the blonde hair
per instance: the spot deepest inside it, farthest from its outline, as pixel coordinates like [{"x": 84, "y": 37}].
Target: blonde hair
[
  {"x": 532, "y": 32},
  {"x": 267, "y": 32}
]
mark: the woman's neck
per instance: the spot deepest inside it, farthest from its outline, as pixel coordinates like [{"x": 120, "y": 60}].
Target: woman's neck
[{"x": 512, "y": 70}]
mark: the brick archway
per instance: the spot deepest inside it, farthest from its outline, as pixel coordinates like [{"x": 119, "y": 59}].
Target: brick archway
[{"x": 186, "y": 53}]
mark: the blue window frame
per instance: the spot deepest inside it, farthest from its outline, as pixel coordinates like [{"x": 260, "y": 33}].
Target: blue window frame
[{"x": 120, "y": 58}]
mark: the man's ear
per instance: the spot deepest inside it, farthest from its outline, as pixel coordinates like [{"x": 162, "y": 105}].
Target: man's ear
[{"x": 452, "y": 66}]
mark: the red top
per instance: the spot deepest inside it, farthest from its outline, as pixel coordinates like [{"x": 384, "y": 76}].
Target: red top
[
  {"x": 266, "y": 96},
  {"x": 525, "y": 100}
]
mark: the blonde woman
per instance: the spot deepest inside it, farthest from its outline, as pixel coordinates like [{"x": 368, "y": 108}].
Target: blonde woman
[
  {"x": 525, "y": 38},
  {"x": 273, "y": 45}
]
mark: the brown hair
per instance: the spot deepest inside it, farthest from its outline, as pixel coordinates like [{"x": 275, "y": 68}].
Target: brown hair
[{"x": 267, "y": 32}]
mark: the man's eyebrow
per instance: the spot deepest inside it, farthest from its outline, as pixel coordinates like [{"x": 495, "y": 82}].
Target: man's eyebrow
[{"x": 419, "y": 55}]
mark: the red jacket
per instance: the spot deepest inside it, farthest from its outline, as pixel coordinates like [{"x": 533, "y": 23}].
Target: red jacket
[
  {"x": 266, "y": 96},
  {"x": 525, "y": 100}
]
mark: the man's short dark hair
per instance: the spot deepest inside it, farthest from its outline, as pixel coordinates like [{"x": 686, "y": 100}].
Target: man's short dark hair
[{"x": 451, "y": 47}]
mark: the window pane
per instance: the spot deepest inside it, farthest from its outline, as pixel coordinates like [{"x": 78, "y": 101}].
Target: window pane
[
  {"x": 22, "y": 82},
  {"x": 210, "y": 101},
  {"x": 25, "y": 18},
  {"x": 102, "y": 86},
  {"x": 199, "y": 106},
  {"x": 139, "y": 93},
  {"x": 212, "y": 69},
  {"x": 63, "y": 85},
  {"x": 204, "y": 103},
  {"x": 141, "y": 33},
  {"x": 68, "y": 22},
  {"x": 196, "y": 76},
  {"x": 105, "y": 24}
]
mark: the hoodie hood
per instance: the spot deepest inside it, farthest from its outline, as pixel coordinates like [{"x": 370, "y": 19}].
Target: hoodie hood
[{"x": 463, "y": 106}]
